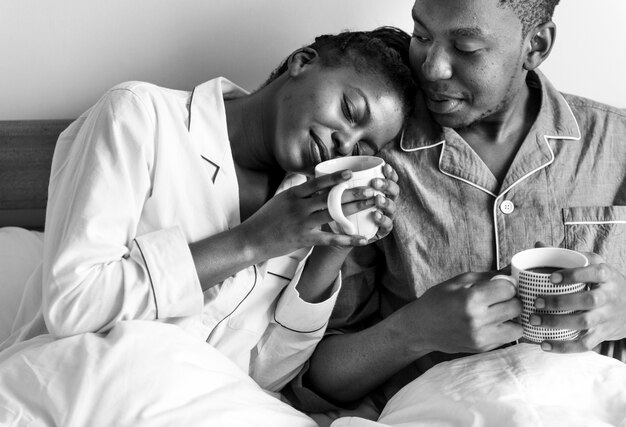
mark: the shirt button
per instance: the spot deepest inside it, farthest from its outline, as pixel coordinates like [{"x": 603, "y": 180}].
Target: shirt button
[{"x": 507, "y": 207}]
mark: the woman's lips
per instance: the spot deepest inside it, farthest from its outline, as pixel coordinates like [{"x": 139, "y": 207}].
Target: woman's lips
[
  {"x": 316, "y": 156},
  {"x": 319, "y": 153}
]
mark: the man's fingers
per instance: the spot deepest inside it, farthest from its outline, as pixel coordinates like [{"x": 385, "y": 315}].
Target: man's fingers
[
  {"x": 585, "y": 342},
  {"x": 595, "y": 273},
  {"x": 585, "y": 300},
  {"x": 494, "y": 291},
  {"x": 579, "y": 321}
]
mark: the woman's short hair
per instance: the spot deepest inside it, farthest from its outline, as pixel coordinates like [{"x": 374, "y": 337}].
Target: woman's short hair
[{"x": 383, "y": 52}]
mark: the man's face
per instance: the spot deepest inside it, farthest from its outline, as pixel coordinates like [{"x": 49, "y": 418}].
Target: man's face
[{"x": 467, "y": 56}]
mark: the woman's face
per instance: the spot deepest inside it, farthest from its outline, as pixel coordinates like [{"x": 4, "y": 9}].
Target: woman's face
[{"x": 329, "y": 112}]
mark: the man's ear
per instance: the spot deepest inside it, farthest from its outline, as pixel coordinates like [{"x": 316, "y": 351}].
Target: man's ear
[
  {"x": 539, "y": 43},
  {"x": 300, "y": 60}
]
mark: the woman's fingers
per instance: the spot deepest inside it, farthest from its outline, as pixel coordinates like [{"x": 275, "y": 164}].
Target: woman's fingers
[
  {"x": 327, "y": 238},
  {"x": 385, "y": 225},
  {"x": 321, "y": 183},
  {"x": 390, "y": 173},
  {"x": 388, "y": 187}
]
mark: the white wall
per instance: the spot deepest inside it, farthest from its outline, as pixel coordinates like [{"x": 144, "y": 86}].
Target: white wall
[
  {"x": 589, "y": 57},
  {"x": 58, "y": 57}
]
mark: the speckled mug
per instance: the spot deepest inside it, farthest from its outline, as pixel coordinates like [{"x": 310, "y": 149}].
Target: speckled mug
[{"x": 531, "y": 284}]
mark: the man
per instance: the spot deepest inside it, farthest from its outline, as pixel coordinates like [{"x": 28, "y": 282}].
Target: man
[{"x": 509, "y": 162}]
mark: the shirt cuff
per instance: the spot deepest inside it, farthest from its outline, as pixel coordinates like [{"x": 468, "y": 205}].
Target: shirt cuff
[
  {"x": 172, "y": 272},
  {"x": 298, "y": 315}
]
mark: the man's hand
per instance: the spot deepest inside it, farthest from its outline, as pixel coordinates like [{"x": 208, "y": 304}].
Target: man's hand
[
  {"x": 600, "y": 312},
  {"x": 467, "y": 314}
]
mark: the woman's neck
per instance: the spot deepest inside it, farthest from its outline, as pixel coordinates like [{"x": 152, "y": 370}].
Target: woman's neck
[
  {"x": 248, "y": 131},
  {"x": 258, "y": 173}
]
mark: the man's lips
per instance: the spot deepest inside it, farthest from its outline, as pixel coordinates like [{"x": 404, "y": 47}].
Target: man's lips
[{"x": 440, "y": 103}]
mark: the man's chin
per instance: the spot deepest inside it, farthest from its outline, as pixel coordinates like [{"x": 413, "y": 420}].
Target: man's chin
[{"x": 452, "y": 121}]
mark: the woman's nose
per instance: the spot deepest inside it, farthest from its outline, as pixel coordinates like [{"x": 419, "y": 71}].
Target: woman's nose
[
  {"x": 437, "y": 65},
  {"x": 343, "y": 142}
]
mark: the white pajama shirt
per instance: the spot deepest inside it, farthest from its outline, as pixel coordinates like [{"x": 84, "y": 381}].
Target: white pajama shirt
[{"x": 136, "y": 178}]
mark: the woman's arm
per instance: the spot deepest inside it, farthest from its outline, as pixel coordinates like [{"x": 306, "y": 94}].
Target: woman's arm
[
  {"x": 290, "y": 221},
  {"x": 101, "y": 265}
]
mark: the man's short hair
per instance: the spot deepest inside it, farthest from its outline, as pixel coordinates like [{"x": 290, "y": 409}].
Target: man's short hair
[{"x": 530, "y": 12}]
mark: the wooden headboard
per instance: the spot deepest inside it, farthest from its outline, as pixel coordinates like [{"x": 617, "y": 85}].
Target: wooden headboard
[{"x": 26, "y": 148}]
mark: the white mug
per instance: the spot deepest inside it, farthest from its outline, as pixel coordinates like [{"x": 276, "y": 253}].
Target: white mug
[
  {"x": 364, "y": 169},
  {"x": 530, "y": 273}
]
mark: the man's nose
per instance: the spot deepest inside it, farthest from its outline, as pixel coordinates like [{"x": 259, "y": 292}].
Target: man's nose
[{"x": 437, "y": 65}]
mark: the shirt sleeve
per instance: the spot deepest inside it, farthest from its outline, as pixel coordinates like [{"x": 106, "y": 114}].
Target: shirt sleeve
[
  {"x": 296, "y": 329},
  {"x": 98, "y": 267},
  {"x": 356, "y": 308}
]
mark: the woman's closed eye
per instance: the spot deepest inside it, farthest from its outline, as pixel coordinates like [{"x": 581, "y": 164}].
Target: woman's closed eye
[{"x": 348, "y": 109}]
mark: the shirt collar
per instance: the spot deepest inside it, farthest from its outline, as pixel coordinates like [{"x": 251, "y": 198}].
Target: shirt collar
[
  {"x": 208, "y": 132},
  {"x": 207, "y": 117},
  {"x": 555, "y": 119}
]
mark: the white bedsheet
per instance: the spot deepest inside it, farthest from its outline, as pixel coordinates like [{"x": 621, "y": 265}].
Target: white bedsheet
[
  {"x": 20, "y": 254},
  {"x": 141, "y": 374},
  {"x": 519, "y": 386}
]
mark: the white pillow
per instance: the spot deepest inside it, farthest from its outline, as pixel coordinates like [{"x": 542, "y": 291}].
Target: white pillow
[
  {"x": 518, "y": 386},
  {"x": 20, "y": 253}
]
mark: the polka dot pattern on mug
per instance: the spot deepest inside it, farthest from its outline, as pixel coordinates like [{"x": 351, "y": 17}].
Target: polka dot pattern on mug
[{"x": 532, "y": 285}]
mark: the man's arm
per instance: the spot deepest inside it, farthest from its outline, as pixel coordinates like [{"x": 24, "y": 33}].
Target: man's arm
[
  {"x": 363, "y": 359},
  {"x": 467, "y": 314}
]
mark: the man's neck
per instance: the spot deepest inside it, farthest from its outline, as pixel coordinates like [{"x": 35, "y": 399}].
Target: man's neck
[{"x": 497, "y": 139}]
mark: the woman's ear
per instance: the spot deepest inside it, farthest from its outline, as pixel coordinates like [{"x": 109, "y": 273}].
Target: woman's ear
[
  {"x": 539, "y": 43},
  {"x": 300, "y": 59}
]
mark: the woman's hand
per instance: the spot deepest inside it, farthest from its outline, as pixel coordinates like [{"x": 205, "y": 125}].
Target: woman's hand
[
  {"x": 324, "y": 263},
  {"x": 386, "y": 204},
  {"x": 292, "y": 219}
]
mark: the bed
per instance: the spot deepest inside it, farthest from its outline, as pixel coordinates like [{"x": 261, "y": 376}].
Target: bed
[
  {"x": 152, "y": 374},
  {"x": 26, "y": 149}
]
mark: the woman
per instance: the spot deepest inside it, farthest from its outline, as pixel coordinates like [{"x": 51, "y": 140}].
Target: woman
[{"x": 161, "y": 203}]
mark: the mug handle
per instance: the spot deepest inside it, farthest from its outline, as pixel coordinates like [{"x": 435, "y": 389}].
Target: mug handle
[
  {"x": 334, "y": 208},
  {"x": 505, "y": 277}
]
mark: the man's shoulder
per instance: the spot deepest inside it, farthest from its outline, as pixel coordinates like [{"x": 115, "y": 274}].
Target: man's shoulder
[{"x": 589, "y": 109}]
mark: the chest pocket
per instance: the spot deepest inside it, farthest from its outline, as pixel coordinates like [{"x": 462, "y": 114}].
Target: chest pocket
[{"x": 598, "y": 229}]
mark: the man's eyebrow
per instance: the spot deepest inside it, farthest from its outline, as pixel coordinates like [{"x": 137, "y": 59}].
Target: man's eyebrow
[
  {"x": 457, "y": 32},
  {"x": 468, "y": 32}
]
